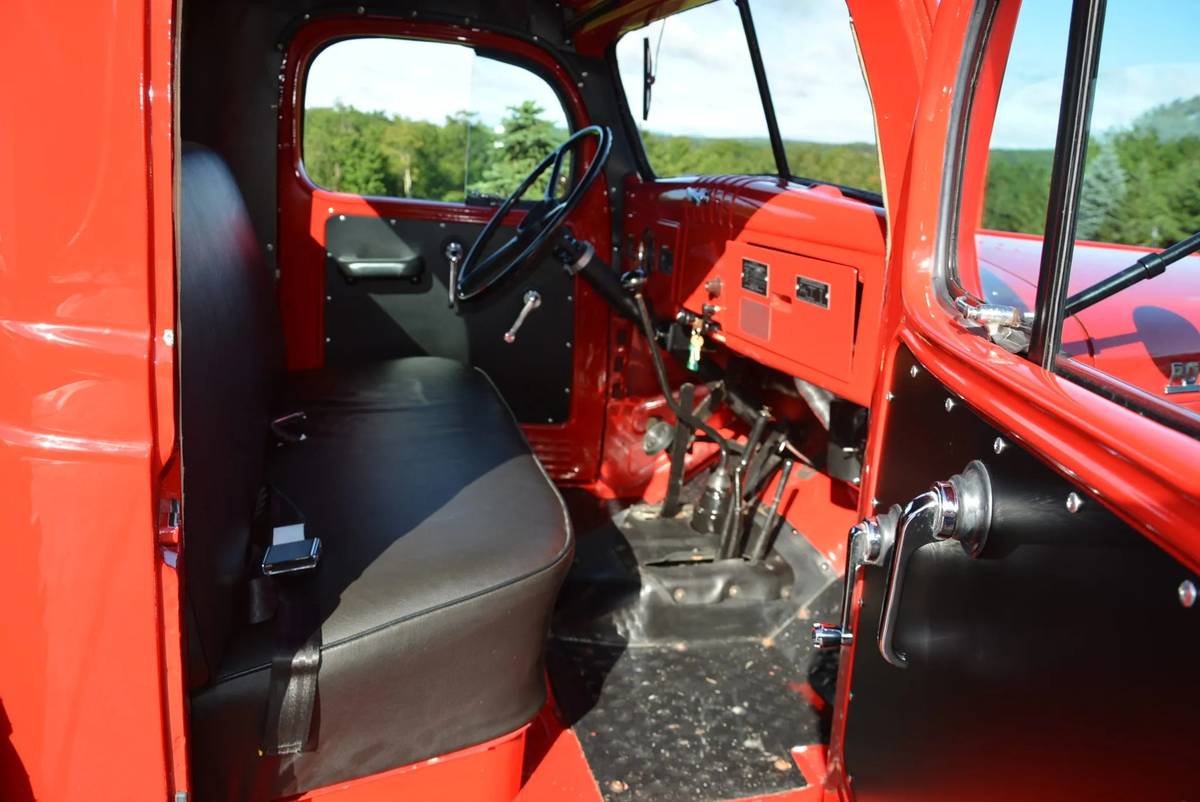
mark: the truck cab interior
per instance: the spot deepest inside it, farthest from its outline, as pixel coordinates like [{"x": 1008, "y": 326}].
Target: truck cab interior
[
  {"x": 528, "y": 352},
  {"x": 577, "y": 442}
]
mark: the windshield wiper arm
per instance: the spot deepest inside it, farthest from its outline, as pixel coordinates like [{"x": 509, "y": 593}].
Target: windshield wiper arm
[{"x": 1149, "y": 266}]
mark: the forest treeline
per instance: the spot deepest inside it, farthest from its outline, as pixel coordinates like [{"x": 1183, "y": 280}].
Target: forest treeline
[{"x": 1141, "y": 185}]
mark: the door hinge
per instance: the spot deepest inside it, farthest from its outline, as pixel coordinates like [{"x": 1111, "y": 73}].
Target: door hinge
[{"x": 1006, "y": 326}]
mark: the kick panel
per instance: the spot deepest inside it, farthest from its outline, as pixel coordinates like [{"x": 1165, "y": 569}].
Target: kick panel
[{"x": 387, "y": 296}]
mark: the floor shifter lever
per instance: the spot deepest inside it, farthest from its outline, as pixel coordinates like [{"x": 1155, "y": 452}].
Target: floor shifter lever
[{"x": 532, "y": 300}]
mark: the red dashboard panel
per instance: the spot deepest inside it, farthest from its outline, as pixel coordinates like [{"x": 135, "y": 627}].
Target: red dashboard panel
[{"x": 791, "y": 275}]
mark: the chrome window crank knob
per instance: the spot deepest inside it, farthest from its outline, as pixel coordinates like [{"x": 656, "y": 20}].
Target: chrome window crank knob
[
  {"x": 868, "y": 544},
  {"x": 532, "y": 300}
]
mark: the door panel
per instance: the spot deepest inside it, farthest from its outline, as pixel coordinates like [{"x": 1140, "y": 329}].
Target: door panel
[
  {"x": 1059, "y": 664},
  {"x": 410, "y": 315}
]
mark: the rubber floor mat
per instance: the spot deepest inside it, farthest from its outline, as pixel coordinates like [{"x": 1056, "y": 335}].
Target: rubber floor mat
[{"x": 687, "y": 723}]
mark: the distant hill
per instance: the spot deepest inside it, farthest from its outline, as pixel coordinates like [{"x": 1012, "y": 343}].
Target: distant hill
[{"x": 1176, "y": 120}]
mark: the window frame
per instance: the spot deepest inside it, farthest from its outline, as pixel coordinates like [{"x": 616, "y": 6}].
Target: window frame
[
  {"x": 1066, "y": 180},
  {"x": 762, "y": 82},
  {"x": 570, "y": 104}
]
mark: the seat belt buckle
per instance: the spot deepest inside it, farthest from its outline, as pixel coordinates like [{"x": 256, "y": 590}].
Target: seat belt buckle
[{"x": 291, "y": 555}]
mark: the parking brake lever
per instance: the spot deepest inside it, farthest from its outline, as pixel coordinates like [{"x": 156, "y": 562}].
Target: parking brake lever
[{"x": 532, "y": 300}]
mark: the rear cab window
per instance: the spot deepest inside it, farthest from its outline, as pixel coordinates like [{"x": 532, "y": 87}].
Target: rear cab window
[
  {"x": 705, "y": 114},
  {"x": 430, "y": 121}
]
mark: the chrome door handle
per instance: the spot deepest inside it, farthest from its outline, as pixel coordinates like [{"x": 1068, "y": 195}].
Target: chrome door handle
[
  {"x": 532, "y": 300},
  {"x": 869, "y": 543},
  {"x": 960, "y": 509}
]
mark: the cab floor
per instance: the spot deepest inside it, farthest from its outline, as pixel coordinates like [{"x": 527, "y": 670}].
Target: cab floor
[{"x": 696, "y": 721}]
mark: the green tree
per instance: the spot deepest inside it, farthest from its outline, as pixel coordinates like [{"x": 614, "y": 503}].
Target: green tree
[
  {"x": 524, "y": 140},
  {"x": 1103, "y": 191},
  {"x": 343, "y": 150}
]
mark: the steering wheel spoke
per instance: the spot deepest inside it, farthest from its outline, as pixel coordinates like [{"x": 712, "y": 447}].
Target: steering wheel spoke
[{"x": 482, "y": 270}]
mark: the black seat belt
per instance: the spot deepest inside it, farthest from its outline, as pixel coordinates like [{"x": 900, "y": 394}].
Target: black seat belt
[
  {"x": 289, "y": 567},
  {"x": 295, "y": 661}
]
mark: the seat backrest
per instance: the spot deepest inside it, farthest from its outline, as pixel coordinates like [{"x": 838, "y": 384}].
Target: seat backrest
[{"x": 231, "y": 358}]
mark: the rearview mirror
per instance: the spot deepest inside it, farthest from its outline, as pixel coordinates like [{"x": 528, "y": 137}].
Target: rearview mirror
[{"x": 647, "y": 78}]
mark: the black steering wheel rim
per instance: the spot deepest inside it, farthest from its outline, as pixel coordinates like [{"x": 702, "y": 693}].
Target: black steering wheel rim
[{"x": 480, "y": 273}]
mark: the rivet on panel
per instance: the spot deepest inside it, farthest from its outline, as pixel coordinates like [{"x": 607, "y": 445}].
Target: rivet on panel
[
  {"x": 1187, "y": 593},
  {"x": 949, "y": 404},
  {"x": 913, "y": 371},
  {"x": 998, "y": 445},
  {"x": 889, "y": 397},
  {"x": 1074, "y": 502}
]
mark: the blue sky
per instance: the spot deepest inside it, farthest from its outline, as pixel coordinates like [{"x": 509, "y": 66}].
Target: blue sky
[
  {"x": 705, "y": 85},
  {"x": 1148, "y": 57}
]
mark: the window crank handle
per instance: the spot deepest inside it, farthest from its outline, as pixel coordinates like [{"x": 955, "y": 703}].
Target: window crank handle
[
  {"x": 532, "y": 300},
  {"x": 454, "y": 255}
]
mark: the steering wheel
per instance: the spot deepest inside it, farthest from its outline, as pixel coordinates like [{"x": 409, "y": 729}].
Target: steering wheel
[{"x": 478, "y": 272}]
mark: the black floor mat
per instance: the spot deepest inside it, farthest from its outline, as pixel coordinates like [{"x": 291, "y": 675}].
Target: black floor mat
[{"x": 686, "y": 724}]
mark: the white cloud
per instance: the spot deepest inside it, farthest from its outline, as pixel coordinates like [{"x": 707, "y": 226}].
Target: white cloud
[
  {"x": 1028, "y": 113},
  {"x": 704, "y": 84},
  {"x": 422, "y": 81}
]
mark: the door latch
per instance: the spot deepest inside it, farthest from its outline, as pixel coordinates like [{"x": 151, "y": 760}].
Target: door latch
[
  {"x": 960, "y": 509},
  {"x": 532, "y": 300}
]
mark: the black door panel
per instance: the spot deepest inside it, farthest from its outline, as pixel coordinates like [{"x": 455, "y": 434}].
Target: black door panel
[
  {"x": 1059, "y": 664},
  {"x": 400, "y": 307}
]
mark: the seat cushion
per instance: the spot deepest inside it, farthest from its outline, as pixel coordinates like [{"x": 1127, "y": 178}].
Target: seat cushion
[{"x": 444, "y": 544}]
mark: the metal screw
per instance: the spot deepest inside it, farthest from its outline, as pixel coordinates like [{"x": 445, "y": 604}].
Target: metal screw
[
  {"x": 913, "y": 371},
  {"x": 1187, "y": 593},
  {"x": 1074, "y": 502},
  {"x": 169, "y": 338},
  {"x": 949, "y": 404},
  {"x": 734, "y": 590},
  {"x": 889, "y": 396},
  {"x": 679, "y": 594},
  {"x": 998, "y": 445}
]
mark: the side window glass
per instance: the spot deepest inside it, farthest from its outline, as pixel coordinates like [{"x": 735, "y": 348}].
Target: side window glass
[
  {"x": 1141, "y": 194},
  {"x": 425, "y": 120}
]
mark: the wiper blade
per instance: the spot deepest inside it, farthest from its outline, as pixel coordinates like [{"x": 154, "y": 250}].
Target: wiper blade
[{"x": 1149, "y": 266}]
